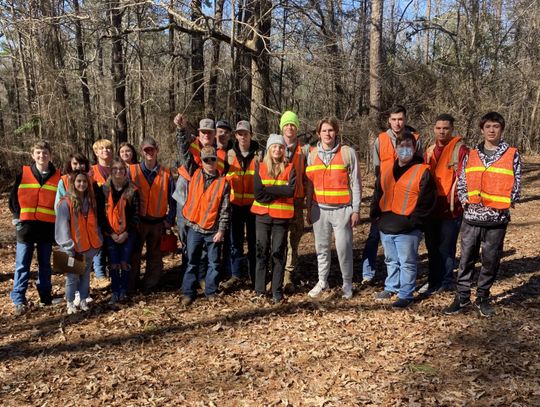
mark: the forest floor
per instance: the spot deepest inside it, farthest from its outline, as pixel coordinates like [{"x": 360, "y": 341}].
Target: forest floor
[{"x": 330, "y": 352}]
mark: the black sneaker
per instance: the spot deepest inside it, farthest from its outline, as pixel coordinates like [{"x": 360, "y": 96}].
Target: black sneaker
[
  {"x": 457, "y": 306},
  {"x": 484, "y": 307},
  {"x": 401, "y": 303}
]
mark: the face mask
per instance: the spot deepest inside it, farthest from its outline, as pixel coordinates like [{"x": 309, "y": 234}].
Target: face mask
[{"x": 404, "y": 153}]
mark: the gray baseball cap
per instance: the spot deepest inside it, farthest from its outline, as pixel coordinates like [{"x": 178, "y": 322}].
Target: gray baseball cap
[
  {"x": 207, "y": 124},
  {"x": 243, "y": 125}
]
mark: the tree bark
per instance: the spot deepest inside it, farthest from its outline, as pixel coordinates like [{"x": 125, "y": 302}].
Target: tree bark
[
  {"x": 261, "y": 86},
  {"x": 375, "y": 60},
  {"x": 197, "y": 63},
  {"x": 83, "y": 77},
  {"x": 213, "y": 84},
  {"x": 118, "y": 71}
]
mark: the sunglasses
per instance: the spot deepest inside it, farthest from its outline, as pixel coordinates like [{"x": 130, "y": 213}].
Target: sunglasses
[
  {"x": 209, "y": 160},
  {"x": 149, "y": 149}
]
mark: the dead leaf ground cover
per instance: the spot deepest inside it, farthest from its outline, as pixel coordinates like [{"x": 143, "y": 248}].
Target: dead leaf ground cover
[{"x": 234, "y": 352}]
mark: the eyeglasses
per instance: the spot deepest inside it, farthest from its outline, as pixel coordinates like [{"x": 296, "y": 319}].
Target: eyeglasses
[
  {"x": 118, "y": 169},
  {"x": 209, "y": 160}
]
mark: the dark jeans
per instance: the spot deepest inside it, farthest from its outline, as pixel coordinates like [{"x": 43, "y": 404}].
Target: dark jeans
[
  {"x": 196, "y": 242},
  {"x": 119, "y": 254},
  {"x": 369, "y": 255},
  {"x": 473, "y": 239},
  {"x": 441, "y": 239},
  {"x": 271, "y": 247},
  {"x": 242, "y": 226}
]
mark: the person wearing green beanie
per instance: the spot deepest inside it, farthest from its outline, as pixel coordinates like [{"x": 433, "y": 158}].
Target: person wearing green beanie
[
  {"x": 289, "y": 117},
  {"x": 296, "y": 152}
]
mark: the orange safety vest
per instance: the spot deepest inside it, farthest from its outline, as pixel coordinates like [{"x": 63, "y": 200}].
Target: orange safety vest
[
  {"x": 281, "y": 208},
  {"x": 444, "y": 169},
  {"x": 299, "y": 163},
  {"x": 387, "y": 151},
  {"x": 37, "y": 201},
  {"x": 401, "y": 196},
  {"x": 155, "y": 197},
  {"x": 491, "y": 186},
  {"x": 331, "y": 183},
  {"x": 195, "y": 149},
  {"x": 202, "y": 205},
  {"x": 97, "y": 176},
  {"x": 84, "y": 229},
  {"x": 241, "y": 182},
  {"x": 116, "y": 214},
  {"x": 66, "y": 181}
]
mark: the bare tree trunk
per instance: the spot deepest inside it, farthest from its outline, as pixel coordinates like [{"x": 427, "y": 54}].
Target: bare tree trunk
[
  {"x": 141, "y": 87},
  {"x": 426, "y": 32},
  {"x": 197, "y": 63},
  {"x": 172, "y": 73},
  {"x": 260, "y": 86},
  {"x": 85, "y": 88},
  {"x": 118, "y": 71},
  {"x": 375, "y": 60},
  {"x": 214, "y": 67},
  {"x": 242, "y": 66},
  {"x": 282, "y": 58}
]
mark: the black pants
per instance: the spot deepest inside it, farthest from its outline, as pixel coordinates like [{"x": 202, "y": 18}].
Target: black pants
[
  {"x": 242, "y": 228},
  {"x": 271, "y": 247},
  {"x": 473, "y": 239}
]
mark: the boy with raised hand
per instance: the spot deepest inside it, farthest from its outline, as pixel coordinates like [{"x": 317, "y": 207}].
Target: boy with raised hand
[
  {"x": 488, "y": 186},
  {"x": 32, "y": 205}
]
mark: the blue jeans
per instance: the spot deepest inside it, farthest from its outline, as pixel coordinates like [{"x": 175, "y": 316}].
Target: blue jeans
[
  {"x": 369, "y": 255},
  {"x": 99, "y": 264},
  {"x": 23, "y": 261},
  {"x": 120, "y": 254},
  {"x": 441, "y": 239},
  {"x": 243, "y": 228},
  {"x": 79, "y": 282},
  {"x": 196, "y": 242},
  {"x": 401, "y": 256}
]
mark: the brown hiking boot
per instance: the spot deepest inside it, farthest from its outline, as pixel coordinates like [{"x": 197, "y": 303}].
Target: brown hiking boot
[
  {"x": 186, "y": 301},
  {"x": 231, "y": 283}
]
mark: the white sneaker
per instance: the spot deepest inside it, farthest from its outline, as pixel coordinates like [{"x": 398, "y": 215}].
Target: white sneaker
[
  {"x": 77, "y": 300},
  {"x": 318, "y": 289},
  {"x": 347, "y": 291},
  {"x": 84, "y": 306},
  {"x": 71, "y": 308}
]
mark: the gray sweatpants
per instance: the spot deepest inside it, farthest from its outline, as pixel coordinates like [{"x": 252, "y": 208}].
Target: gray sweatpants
[{"x": 339, "y": 221}]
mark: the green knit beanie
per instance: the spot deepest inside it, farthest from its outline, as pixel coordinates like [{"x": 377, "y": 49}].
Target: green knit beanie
[{"x": 289, "y": 118}]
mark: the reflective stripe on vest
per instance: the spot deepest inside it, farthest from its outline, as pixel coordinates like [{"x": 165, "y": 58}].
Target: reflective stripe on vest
[
  {"x": 241, "y": 182},
  {"x": 37, "y": 201},
  {"x": 443, "y": 170},
  {"x": 154, "y": 198},
  {"x": 281, "y": 208},
  {"x": 84, "y": 229},
  {"x": 401, "y": 196},
  {"x": 202, "y": 206},
  {"x": 330, "y": 183},
  {"x": 491, "y": 186}
]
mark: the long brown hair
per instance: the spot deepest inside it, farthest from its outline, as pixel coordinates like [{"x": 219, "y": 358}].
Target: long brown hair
[{"x": 76, "y": 202}]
